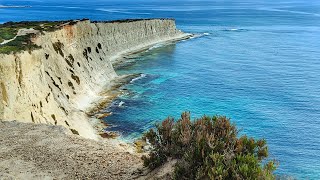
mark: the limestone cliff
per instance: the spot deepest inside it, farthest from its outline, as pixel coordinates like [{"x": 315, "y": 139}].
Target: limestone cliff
[{"x": 56, "y": 83}]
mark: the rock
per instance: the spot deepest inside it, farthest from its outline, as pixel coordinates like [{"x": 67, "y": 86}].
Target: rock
[
  {"x": 140, "y": 144},
  {"x": 109, "y": 134},
  {"x": 103, "y": 115}
]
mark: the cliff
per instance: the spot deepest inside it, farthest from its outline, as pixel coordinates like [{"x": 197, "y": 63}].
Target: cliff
[{"x": 57, "y": 82}]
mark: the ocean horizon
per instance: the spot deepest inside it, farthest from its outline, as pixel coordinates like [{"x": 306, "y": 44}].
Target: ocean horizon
[{"x": 254, "y": 62}]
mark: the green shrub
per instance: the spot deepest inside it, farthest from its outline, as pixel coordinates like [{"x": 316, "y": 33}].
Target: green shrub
[
  {"x": 23, "y": 43},
  {"x": 20, "y": 43},
  {"x": 8, "y": 33},
  {"x": 8, "y": 49},
  {"x": 12, "y": 27},
  {"x": 207, "y": 148}
]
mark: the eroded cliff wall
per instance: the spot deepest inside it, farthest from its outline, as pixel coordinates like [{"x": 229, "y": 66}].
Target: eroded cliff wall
[{"x": 55, "y": 84}]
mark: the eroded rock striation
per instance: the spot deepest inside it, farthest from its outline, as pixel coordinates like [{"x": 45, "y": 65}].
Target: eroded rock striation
[{"x": 57, "y": 82}]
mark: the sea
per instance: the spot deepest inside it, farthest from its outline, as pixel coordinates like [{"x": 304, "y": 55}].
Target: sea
[{"x": 256, "y": 62}]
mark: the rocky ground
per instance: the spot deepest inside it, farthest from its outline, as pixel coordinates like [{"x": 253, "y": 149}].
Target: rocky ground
[{"x": 30, "y": 151}]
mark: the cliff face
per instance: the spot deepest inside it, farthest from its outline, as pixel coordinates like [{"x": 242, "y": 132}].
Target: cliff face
[{"x": 56, "y": 83}]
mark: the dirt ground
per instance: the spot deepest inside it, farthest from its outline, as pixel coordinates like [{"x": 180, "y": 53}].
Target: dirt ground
[{"x": 39, "y": 151}]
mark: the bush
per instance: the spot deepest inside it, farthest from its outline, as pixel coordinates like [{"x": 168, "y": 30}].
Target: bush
[
  {"x": 7, "y": 33},
  {"x": 207, "y": 148},
  {"x": 20, "y": 43},
  {"x": 8, "y": 49},
  {"x": 9, "y": 30}
]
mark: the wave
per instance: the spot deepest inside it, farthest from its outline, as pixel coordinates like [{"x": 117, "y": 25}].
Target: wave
[
  {"x": 121, "y": 103},
  {"x": 121, "y": 11},
  {"x": 181, "y": 8},
  {"x": 2, "y": 6},
  {"x": 156, "y": 46},
  {"x": 71, "y": 7},
  {"x": 289, "y": 11},
  {"x": 137, "y": 78},
  {"x": 199, "y": 35},
  {"x": 235, "y": 30},
  {"x": 66, "y": 7}
]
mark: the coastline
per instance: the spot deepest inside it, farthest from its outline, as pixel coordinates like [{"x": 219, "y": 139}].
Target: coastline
[
  {"x": 111, "y": 91},
  {"x": 73, "y": 72}
]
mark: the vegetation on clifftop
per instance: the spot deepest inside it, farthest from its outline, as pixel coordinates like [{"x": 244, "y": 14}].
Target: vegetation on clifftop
[
  {"x": 37, "y": 25},
  {"x": 21, "y": 43},
  {"x": 10, "y": 30},
  {"x": 7, "y": 33},
  {"x": 207, "y": 148}
]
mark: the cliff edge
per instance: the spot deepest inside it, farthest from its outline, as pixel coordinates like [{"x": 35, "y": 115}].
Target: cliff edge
[{"x": 56, "y": 82}]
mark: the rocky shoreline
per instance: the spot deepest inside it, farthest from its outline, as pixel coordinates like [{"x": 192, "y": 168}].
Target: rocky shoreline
[{"x": 113, "y": 90}]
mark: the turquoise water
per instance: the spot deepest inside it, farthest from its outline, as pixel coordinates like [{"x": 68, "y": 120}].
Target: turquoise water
[{"x": 258, "y": 63}]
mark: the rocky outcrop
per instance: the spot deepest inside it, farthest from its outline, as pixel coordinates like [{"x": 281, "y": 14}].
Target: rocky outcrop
[{"x": 56, "y": 83}]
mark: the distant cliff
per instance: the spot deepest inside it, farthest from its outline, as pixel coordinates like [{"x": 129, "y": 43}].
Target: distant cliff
[{"x": 56, "y": 83}]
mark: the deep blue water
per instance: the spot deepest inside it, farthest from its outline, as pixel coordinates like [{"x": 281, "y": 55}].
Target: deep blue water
[{"x": 259, "y": 65}]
